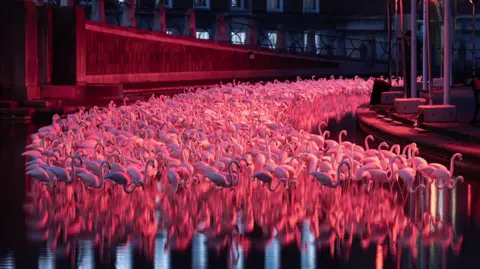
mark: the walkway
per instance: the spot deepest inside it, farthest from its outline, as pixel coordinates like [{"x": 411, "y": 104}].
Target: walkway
[{"x": 437, "y": 140}]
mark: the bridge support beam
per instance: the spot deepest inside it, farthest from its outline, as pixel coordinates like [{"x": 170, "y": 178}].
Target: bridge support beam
[
  {"x": 281, "y": 38},
  {"x": 98, "y": 11},
  {"x": 159, "y": 22},
  {"x": 221, "y": 29},
  {"x": 311, "y": 46},
  {"x": 190, "y": 28},
  {"x": 128, "y": 17},
  {"x": 19, "y": 54}
]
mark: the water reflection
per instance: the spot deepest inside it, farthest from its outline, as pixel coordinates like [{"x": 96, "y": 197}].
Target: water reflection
[{"x": 71, "y": 226}]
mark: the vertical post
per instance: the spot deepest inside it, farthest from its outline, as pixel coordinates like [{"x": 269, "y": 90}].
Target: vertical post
[
  {"x": 19, "y": 54},
  {"x": 128, "y": 16},
  {"x": 446, "y": 52},
  {"x": 251, "y": 36},
  {"x": 429, "y": 57},
  {"x": 311, "y": 47},
  {"x": 281, "y": 43},
  {"x": 413, "y": 52},
  {"x": 425, "y": 48},
  {"x": 98, "y": 11},
  {"x": 397, "y": 47},
  {"x": 190, "y": 28},
  {"x": 473, "y": 39},
  {"x": 221, "y": 29},
  {"x": 159, "y": 24},
  {"x": 81, "y": 46},
  {"x": 389, "y": 34},
  {"x": 404, "y": 59}
]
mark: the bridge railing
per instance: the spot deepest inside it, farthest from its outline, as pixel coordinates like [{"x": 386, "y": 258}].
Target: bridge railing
[{"x": 239, "y": 32}]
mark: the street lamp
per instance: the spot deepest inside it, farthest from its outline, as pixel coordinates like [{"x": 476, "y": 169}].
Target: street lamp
[{"x": 473, "y": 2}]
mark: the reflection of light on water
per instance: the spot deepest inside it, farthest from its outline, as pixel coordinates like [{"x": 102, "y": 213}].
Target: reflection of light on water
[
  {"x": 86, "y": 252},
  {"x": 441, "y": 205},
  {"x": 46, "y": 260},
  {"x": 469, "y": 200},
  {"x": 272, "y": 255},
  {"x": 433, "y": 201},
  {"x": 433, "y": 259},
  {"x": 124, "y": 256},
  {"x": 379, "y": 257},
  {"x": 199, "y": 251},
  {"x": 308, "y": 256},
  {"x": 162, "y": 255},
  {"x": 8, "y": 262},
  {"x": 239, "y": 264},
  {"x": 454, "y": 208}
]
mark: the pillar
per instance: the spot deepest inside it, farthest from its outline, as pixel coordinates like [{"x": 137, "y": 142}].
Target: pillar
[
  {"x": 190, "y": 28},
  {"x": 446, "y": 52},
  {"x": 128, "y": 16},
  {"x": 80, "y": 46},
  {"x": 311, "y": 46},
  {"x": 426, "y": 24},
  {"x": 341, "y": 45},
  {"x": 281, "y": 38},
  {"x": 413, "y": 52},
  {"x": 251, "y": 36},
  {"x": 159, "y": 19},
  {"x": 221, "y": 29},
  {"x": 98, "y": 11},
  {"x": 19, "y": 53},
  {"x": 44, "y": 37}
]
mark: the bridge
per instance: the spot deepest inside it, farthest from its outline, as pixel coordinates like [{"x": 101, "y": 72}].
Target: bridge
[{"x": 79, "y": 51}]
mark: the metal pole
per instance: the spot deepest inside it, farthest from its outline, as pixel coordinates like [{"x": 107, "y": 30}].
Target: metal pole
[
  {"x": 473, "y": 40},
  {"x": 429, "y": 56},
  {"x": 404, "y": 60},
  {"x": 389, "y": 32},
  {"x": 446, "y": 52},
  {"x": 397, "y": 47},
  {"x": 425, "y": 48},
  {"x": 413, "y": 52}
]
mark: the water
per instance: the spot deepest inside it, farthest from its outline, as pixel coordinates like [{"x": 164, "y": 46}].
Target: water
[{"x": 174, "y": 244}]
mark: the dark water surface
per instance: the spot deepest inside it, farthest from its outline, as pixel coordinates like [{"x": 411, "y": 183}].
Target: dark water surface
[{"x": 454, "y": 243}]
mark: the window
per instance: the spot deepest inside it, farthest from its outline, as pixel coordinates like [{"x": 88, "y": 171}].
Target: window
[
  {"x": 275, "y": 5},
  {"x": 203, "y": 35},
  {"x": 202, "y": 4},
  {"x": 166, "y": 3},
  {"x": 238, "y": 4},
  {"x": 311, "y": 5},
  {"x": 238, "y": 37},
  {"x": 268, "y": 39}
]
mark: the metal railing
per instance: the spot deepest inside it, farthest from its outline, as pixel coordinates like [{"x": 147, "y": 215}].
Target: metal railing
[{"x": 342, "y": 45}]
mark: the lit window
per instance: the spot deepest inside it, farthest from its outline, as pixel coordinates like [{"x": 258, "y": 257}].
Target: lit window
[
  {"x": 238, "y": 4},
  {"x": 205, "y": 4},
  {"x": 166, "y": 3},
  {"x": 203, "y": 35},
  {"x": 238, "y": 37},
  {"x": 275, "y": 5},
  {"x": 271, "y": 40},
  {"x": 311, "y": 5}
]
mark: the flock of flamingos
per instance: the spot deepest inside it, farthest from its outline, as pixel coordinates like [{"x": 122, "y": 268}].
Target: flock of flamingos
[{"x": 224, "y": 162}]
